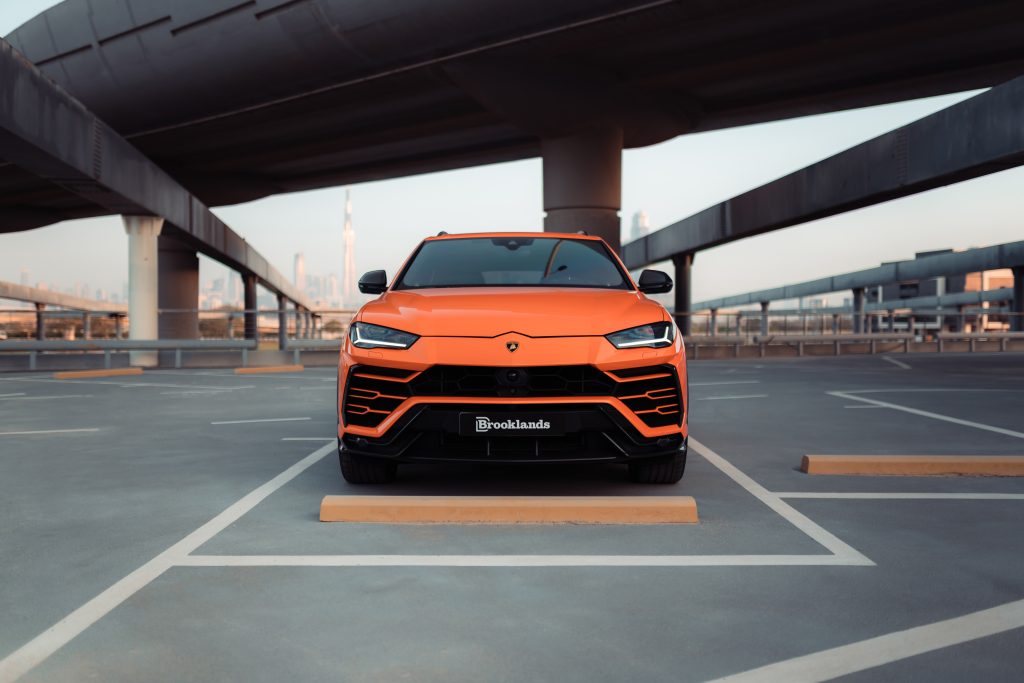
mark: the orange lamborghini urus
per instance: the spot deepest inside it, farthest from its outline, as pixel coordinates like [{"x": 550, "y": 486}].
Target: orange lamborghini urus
[{"x": 513, "y": 347}]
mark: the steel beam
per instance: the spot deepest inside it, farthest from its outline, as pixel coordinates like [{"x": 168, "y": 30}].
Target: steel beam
[
  {"x": 978, "y": 136},
  {"x": 46, "y": 131}
]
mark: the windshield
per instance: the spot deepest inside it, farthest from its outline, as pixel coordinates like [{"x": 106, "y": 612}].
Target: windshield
[{"x": 512, "y": 262}]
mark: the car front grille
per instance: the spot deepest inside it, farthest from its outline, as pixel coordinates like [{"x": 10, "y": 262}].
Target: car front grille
[
  {"x": 533, "y": 382},
  {"x": 373, "y": 393}
]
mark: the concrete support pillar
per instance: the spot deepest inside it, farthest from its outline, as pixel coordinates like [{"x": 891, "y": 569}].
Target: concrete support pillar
[
  {"x": 251, "y": 321},
  {"x": 835, "y": 323},
  {"x": 1017, "y": 323},
  {"x": 858, "y": 310},
  {"x": 583, "y": 183},
  {"x": 178, "y": 290},
  {"x": 118, "y": 324},
  {"x": 764, "y": 317},
  {"x": 86, "y": 325},
  {"x": 282, "y": 323},
  {"x": 143, "y": 283},
  {"x": 40, "y": 322},
  {"x": 683, "y": 264},
  {"x": 739, "y": 322},
  {"x": 308, "y": 324},
  {"x": 713, "y": 324},
  {"x": 892, "y": 321}
]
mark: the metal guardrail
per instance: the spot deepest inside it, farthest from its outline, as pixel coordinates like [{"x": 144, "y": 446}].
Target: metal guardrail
[{"x": 110, "y": 346}]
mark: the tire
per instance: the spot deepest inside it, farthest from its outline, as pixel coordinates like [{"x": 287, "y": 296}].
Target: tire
[
  {"x": 361, "y": 470},
  {"x": 668, "y": 470}
]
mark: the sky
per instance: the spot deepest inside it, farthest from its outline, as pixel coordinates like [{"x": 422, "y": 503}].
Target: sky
[{"x": 669, "y": 181}]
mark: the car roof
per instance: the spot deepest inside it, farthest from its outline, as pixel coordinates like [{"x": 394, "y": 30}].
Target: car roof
[{"x": 545, "y": 235}]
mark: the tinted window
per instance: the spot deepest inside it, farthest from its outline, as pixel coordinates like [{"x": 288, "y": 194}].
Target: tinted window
[{"x": 512, "y": 262}]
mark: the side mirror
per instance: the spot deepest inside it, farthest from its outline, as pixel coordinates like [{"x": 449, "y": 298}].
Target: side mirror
[
  {"x": 655, "y": 282},
  {"x": 374, "y": 282}
]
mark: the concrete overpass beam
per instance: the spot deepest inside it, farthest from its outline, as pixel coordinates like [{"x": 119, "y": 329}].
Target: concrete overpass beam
[
  {"x": 683, "y": 264},
  {"x": 858, "y": 310},
  {"x": 583, "y": 183},
  {"x": 143, "y": 283},
  {"x": 1018, "y": 299},
  {"x": 251, "y": 319},
  {"x": 178, "y": 289}
]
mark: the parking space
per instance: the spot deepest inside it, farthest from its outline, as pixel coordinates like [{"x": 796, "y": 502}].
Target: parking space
[{"x": 180, "y": 534}]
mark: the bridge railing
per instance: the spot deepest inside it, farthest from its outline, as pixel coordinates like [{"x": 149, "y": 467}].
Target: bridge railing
[
  {"x": 833, "y": 321},
  {"x": 228, "y": 324},
  {"x": 109, "y": 347}
]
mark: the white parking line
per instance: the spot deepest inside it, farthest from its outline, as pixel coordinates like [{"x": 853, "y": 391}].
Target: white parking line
[
  {"x": 50, "y": 431},
  {"x": 42, "y": 398},
  {"x": 513, "y": 561},
  {"x": 268, "y": 419},
  {"x": 309, "y": 438},
  {"x": 729, "y": 398},
  {"x": 866, "y": 407},
  {"x": 719, "y": 384},
  {"x": 11, "y": 395},
  {"x": 785, "y": 510},
  {"x": 898, "y": 363},
  {"x": 891, "y": 647},
  {"x": 899, "y": 496},
  {"x": 34, "y": 652},
  {"x": 924, "y": 413}
]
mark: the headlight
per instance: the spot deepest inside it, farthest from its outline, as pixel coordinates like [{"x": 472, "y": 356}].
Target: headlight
[
  {"x": 367, "y": 336},
  {"x": 654, "y": 335}
]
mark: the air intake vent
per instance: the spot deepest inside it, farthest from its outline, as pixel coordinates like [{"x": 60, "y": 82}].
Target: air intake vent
[
  {"x": 652, "y": 393},
  {"x": 373, "y": 393}
]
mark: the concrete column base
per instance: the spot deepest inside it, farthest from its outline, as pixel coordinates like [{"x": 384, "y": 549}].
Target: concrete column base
[
  {"x": 143, "y": 284},
  {"x": 251, "y": 317},
  {"x": 683, "y": 264},
  {"x": 179, "y": 290}
]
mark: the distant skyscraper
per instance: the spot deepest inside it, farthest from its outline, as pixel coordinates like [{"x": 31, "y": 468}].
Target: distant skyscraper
[
  {"x": 300, "y": 272},
  {"x": 641, "y": 225},
  {"x": 348, "y": 273},
  {"x": 332, "y": 288}
]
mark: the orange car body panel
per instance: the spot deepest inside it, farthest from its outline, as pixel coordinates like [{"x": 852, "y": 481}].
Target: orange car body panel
[{"x": 552, "y": 326}]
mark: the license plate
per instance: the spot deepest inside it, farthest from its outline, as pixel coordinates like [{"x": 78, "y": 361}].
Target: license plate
[{"x": 511, "y": 424}]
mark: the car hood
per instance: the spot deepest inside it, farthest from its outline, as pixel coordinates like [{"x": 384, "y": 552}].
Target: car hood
[{"x": 531, "y": 311}]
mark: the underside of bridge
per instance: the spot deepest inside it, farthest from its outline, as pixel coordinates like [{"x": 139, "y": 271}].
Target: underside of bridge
[{"x": 241, "y": 100}]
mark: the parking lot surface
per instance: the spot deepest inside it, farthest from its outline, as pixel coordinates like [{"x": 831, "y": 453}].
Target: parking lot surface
[{"x": 165, "y": 527}]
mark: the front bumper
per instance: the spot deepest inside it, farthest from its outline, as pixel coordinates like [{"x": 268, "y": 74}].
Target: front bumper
[
  {"x": 594, "y": 433},
  {"x": 613, "y": 405}
]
